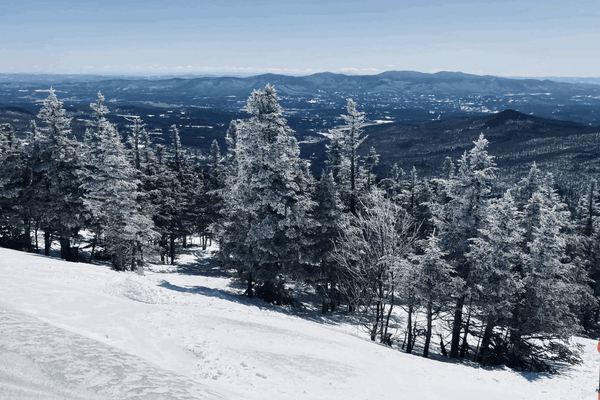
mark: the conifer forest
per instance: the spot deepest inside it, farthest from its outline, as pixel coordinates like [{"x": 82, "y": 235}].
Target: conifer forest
[{"x": 510, "y": 274}]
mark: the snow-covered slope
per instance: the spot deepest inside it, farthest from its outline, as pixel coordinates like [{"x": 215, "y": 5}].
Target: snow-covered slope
[{"x": 80, "y": 331}]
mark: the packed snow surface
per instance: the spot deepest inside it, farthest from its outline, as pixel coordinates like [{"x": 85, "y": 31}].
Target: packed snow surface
[{"x": 81, "y": 331}]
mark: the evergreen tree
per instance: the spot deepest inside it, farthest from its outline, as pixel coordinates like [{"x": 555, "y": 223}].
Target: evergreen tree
[
  {"x": 15, "y": 219},
  {"x": 554, "y": 285},
  {"x": 61, "y": 168},
  {"x": 213, "y": 193},
  {"x": 459, "y": 219},
  {"x": 367, "y": 171},
  {"x": 270, "y": 196},
  {"x": 111, "y": 190},
  {"x": 587, "y": 246},
  {"x": 434, "y": 283},
  {"x": 345, "y": 165},
  {"x": 327, "y": 214},
  {"x": 494, "y": 282}
]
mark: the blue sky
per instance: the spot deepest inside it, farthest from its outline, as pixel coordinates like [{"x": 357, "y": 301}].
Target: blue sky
[{"x": 504, "y": 38}]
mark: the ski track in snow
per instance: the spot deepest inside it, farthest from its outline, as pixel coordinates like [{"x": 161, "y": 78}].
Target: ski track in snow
[{"x": 80, "y": 331}]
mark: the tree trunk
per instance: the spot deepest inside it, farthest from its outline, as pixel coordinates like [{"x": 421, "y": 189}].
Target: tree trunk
[
  {"x": 249, "y": 291},
  {"x": 443, "y": 346},
  {"x": 47, "y": 242},
  {"x": 514, "y": 351},
  {"x": 333, "y": 297},
  {"x": 67, "y": 252},
  {"x": 456, "y": 325},
  {"x": 385, "y": 338},
  {"x": 465, "y": 346},
  {"x": 409, "y": 328},
  {"x": 485, "y": 341},
  {"x": 428, "y": 333},
  {"x": 376, "y": 324},
  {"x": 172, "y": 249},
  {"x": 93, "y": 249}
]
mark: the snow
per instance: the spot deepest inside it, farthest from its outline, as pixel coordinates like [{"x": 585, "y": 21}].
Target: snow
[{"x": 80, "y": 331}]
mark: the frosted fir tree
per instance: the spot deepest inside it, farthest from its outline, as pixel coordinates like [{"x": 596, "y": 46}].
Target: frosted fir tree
[
  {"x": 459, "y": 218},
  {"x": 327, "y": 214},
  {"x": 367, "y": 173},
  {"x": 213, "y": 194},
  {"x": 15, "y": 225},
  {"x": 348, "y": 139},
  {"x": 587, "y": 246},
  {"x": 62, "y": 169},
  {"x": 494, "y": 284},
  {"x": 111, "y": 190},
  {"x": 135, "y": 142},
  {"x": 270, "y": 191},
  {"x": 31, "y": 198},
  {"x": 393, "y": 183},
  {"x": 434, "y": 283},
  {"x": 554, "y": 287},
  {"x": 177, "y": 188}
]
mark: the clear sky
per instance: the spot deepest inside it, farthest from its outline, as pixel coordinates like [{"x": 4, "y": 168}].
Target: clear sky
[{"x": 504, "y": 38}]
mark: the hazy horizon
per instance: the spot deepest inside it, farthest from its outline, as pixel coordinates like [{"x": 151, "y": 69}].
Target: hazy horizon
[
  {"x": 251, "y": 37},
  {"x": 249, "y": 75}
]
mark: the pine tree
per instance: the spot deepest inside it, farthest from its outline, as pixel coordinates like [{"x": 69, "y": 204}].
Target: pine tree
[
  {"x": 434, "y": 283},
  {"x": 111, "y": 190},
  {"x": 270, "y": 196},
  {"x": 459, "y": 218},
  {"x": 367, "y": 171},
  {"x": 327, "y": 214},
  {"x": 213, "y": 193},
  {"x": 587, "y": 246},
  {"x": 344, "y": 163},
  {"x": 177, "y": 187},
  {"x": 554, "y": 286},
  {"x": 62, "y": 169},
  {"x": 494, "y": 282},
  {"x": 15, "y": 221}
]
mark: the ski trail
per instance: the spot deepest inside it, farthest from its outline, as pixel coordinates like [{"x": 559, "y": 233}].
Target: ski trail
[{"x": 63, "y": 365}]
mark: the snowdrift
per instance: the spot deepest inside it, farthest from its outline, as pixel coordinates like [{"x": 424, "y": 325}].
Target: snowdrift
[{"x": 80, "y": 331}]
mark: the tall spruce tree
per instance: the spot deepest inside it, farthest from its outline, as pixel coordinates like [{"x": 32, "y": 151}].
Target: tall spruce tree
[
  {"x": 327, "y": 214},
  {"x": 343, "y": 154},
  {"x": 61, "y": 167},
  {"x": 111, "y": 190},
  {"x": 495, "y": 285},
  {"x": 270, "y": 198},
  {"x": 459, "y": 219}
]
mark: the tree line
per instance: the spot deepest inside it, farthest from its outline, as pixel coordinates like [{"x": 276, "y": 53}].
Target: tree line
[{"x": 510, "y": 276}]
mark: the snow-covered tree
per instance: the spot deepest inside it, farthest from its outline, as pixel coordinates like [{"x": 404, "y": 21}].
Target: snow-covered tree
[
  {"x": 459, "y": 219},
  {"x": 554, "y": 284},
  {"x": 111, "y": 190},
  {"x": 327, "y": 214},
  {"x": 268, "y": 201},
  {"x": 434, "y": 283},
  {"x": 61, "y": 168},
  {"x": 372, "y": 255},
  {"x": 494, "y": 284},
  {"x": 343, "y": 153},
  {"x": 15, "y": 219},
  {"x": 587, "y": 246}
]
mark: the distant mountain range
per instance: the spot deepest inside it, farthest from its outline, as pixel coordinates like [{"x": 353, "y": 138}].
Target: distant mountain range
[
  {"x": 415, "y": 118},
  {"x": 569, "y": 150},
  {"x": 395, "y": 83}
]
